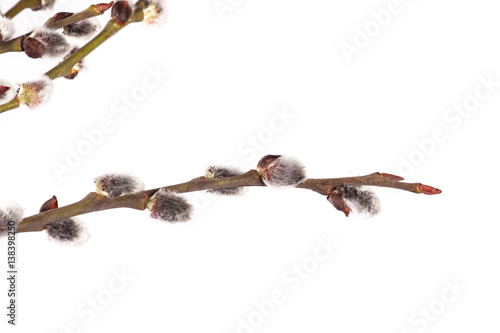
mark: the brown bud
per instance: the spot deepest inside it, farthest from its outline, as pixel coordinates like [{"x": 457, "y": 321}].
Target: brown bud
[
  {"x": 62, "y": 15},
  {"x": 266, "y": 161},
  {"x": 33, "y": 47},
  {"x": 392, "y": 177},
  {"x": 121, "y": 12},
  {"x": 338, "y": 202},
  {"x": 426, "y": 189},
  {"x": 74, "y": 73},
  {"x": 102, "y": 7},
  {"x": 49, "y": 204},
  {"x": 75, "y": 70},
  {"x": 3, "y": 90},
  {"x": 263, "y": 167}
]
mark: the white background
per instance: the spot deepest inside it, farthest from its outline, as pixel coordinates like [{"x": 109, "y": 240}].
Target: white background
[{"x": 227, "y": 80}]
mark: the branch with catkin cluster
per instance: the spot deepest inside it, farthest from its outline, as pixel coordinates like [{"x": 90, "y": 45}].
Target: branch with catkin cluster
[
  {"x": 349, "y": 194},
  {"x": 50, "y": 41}
]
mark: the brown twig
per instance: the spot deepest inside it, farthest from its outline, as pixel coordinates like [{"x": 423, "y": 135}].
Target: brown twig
[{"x": 94, "y": 202}]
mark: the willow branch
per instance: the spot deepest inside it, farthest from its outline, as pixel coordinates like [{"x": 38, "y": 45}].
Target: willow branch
[
  {"x": 111, "y": 28},
  {"x": 92, "y": 11},
  {"x": 20, "y": 6},
  {"x": 64, "y": 67},
  {"x": 94, "y": 202},
  {"x": 15, "y": 44}
]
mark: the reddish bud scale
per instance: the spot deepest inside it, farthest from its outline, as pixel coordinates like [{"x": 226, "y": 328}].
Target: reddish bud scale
[
  {"x": 62, "y": 15},
  {"x": 102, "y": 7},
  {"x": 426, "y": 189},
  {"x": 121, "y": 12},
  {"x": 338, "y": 202},
  {"x": 33, "y": 47},
  {"x": 3, "y": 90},
  {"x": 49, "y": 204},
  {"x": 392, "y": 177}
]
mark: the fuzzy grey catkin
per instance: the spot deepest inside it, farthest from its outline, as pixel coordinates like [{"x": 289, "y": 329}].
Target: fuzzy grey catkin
[
  {"x": 80, "y": 29},
  {"x": 224, "y": 172},
  {"x": 169, "y": 206},
  {"x": 10, "y": 215},
  {"x": 68, "y": 231},
  {"x": 54, "y": 43},
  {"x": 279, "y": 171},
  {"x": 362, "y": 201},
  {"x": 116, "y": 184}
]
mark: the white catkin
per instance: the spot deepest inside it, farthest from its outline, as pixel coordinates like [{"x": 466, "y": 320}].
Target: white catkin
[
  {"x": 171, "y": 207},
  {"x": 6, "y": 28},
  {"x": 55, "y": 44},
  {"x": 10, "y": 212},
  {"x": 285, "y": 171},
  {"x": 116, "y": 184},
  {"x": 224, "y": 172},
  {"x": 69, "y": 231},
  {"x": 81, "y": 29},
  {"x": 362, "y": 200}
]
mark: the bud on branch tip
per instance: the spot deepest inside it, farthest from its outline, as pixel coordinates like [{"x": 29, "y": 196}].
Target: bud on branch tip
[
  {"x": 426, "y": 189},
  {"x": 102, "y": 7}
]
